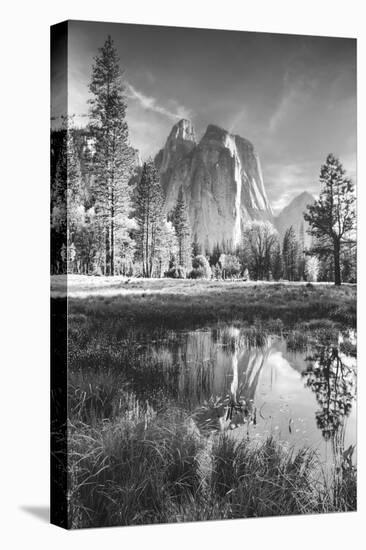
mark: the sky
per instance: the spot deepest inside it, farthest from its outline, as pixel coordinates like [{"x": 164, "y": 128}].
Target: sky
[{"x": 293, "y": 97}]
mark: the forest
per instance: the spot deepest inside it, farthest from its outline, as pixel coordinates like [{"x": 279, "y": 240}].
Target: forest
[{"x": 108, "y": 214}]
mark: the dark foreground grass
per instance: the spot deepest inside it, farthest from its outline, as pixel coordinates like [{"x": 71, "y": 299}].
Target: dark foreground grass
[
  {"x": 140, "y": 468},
  {"x": 133, "y": 463}
]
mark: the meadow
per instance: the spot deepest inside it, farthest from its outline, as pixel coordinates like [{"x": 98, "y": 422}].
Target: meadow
[
  {"x": 136, "y": 458},
  {"x": 187, "y": 303}
]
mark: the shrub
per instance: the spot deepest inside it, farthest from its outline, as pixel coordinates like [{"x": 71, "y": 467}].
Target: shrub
[
  {"x": 176, "y": 272},
  {"x": 230, "y": 265},
  {"x": 201, "y": 268},
  {"x": 216, "y": 271},
  {"x": 312, "y": 268}
]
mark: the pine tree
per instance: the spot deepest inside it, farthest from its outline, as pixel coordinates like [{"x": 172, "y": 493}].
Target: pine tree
[
  {"x": 215, "y": 255},
  {"x": 166, "y": 250},
  {"x": 59, "y": 202},
  {"x": 67, "y": 208},
  {"x": 290, "y": 252},
  {"x": 113, "y": 156},
  {"x": 196, "y": 247},
  {"x": 332, "y": 218},
  {"x": 75, "y": 208},
  {"x": 181, "y": 224},
  {"x": 301, "y": 253},
  {"x": 277, "y": 267},
  {"x": 149, "y": 216}
]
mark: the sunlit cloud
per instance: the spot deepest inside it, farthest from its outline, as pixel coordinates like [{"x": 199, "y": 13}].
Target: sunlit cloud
[
  {"x": 239, "y": 117},
  {"x": 286, "y": 181},
  {"x": 150, "y": 103},
  {"x": 293, "y": 97},
  {"x": 296, "y": 93}
]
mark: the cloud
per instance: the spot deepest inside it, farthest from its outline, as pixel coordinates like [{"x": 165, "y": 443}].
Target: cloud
[
  {"x": 240, "y": 116},
  {"x": 150, "y": 104},
  {"x": 350, "y": 164},
  {"x": 296, "y": 94},
  {"x": 285, "y": 181},
  {"x": 282, "y": 109}
]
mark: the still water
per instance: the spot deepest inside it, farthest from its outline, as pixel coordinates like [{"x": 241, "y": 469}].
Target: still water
[{"x": 225, "y": 382}]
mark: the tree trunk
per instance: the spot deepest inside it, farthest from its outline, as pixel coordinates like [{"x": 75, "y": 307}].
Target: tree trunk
[
  {"x": 337, "y": 263},
  {"x": 107, "y": 252},
  {"x": 112, "y": 234},
  {"x": 146, "y": 268},
  {"x": 112, "y": 246}
]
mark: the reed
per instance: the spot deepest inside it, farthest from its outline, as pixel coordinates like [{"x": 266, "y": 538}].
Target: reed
[{"x": 145, "y": 468}]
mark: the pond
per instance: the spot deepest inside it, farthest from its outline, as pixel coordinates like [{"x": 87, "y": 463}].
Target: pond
[{"x": 255, "y": 386}]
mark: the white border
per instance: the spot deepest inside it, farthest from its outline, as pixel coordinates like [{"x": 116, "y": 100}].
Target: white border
[{"x": 24, "y": 253}]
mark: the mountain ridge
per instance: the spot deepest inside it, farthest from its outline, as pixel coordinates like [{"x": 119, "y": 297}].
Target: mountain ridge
[
  {"x": 292, "y": 215},
  {"x": 221, "y": 179}
]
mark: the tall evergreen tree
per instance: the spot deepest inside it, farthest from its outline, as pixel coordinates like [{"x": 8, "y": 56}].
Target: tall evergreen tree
[
  {"x": 332, "y": 218},
  {"x": 181, "y": 224},
  {"x": 290, "y": 252},
  {"x": 113, "y": 156},
  {"x": 196, "y": 247},
  {"x": 301, "y": 253},
  {"x": 215, "y": 255},
  {"x": 75, "y": 208},
  {"x": 149, "y": 216},
  {"x": 277, "y": 267},
  {"x": 59, "y": 201},
  {"x": 67, "y": 208},
  {"x": 166, "y": 249}
]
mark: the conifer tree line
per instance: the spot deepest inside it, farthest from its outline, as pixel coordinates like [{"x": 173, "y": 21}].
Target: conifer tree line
[{"x": 108, "y": 215}]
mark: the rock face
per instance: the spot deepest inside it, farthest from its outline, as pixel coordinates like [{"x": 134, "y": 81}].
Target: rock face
[
  {"x": 221, "y": 180},
  {"x": 293, "y": 214}
]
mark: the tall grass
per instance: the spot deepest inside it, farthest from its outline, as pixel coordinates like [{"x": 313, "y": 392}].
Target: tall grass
[
  {"x": 153, "y": 469},
  {"x": 132, "y": 462}
]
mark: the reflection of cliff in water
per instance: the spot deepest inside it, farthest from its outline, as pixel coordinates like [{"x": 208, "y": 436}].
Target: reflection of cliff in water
[
  {"x": 226, "y": 398},
  {"x": 331, "y": 376},
  {"x": 230, "y": 378},
  {"x": 198, "y": 366}
]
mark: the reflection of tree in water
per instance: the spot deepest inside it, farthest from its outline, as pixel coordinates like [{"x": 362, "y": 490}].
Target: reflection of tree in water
[{"x": 331, "y": 376}]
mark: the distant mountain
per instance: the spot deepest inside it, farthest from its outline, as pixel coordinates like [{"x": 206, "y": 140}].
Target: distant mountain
[
  {"x": 293, "y": 214},
  {"x": 221, "y": 180}
]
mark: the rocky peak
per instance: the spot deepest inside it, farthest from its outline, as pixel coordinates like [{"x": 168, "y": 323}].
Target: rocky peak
[
  {"x": 293, "y": 215},
  {"x": 218, "y": 134},
  {"x": 180, "y": 142},
  {"x": 221, "y": 179},
  {"x": 183, "y": 130},
  {"x": 297, "y": 204},
  {"x": 214, "y": 133},
  {"x": 303, "y": 198}
]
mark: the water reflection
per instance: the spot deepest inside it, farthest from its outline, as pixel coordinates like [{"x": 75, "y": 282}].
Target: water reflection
[
  {"x": 252, "y": 383},
  {"x": 331, "y": 376},
  {"x": 236, "y": 407}
]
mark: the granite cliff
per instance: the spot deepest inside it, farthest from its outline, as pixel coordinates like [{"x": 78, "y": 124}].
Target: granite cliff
[{"x": 221, "y": 180}]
